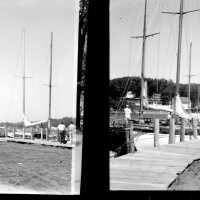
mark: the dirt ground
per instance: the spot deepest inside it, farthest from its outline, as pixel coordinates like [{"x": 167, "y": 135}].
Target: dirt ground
[
  {"x": 189, "y": 179},
  {"x": 41, "y": 168}
]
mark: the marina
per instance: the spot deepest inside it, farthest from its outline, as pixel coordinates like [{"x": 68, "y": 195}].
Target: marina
[{"x": 153, "y": 140}]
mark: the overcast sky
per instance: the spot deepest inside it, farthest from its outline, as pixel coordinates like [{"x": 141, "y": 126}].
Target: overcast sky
[
  {"x": 126, "y": 19},
  {"x": 39, "y": 18}
]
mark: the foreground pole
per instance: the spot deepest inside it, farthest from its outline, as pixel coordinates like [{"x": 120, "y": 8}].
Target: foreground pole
[
  {"x": 156, "y": 132},
  {"x": 194, "y": 127},
  {"x": 172, "y": 131},
  {"x": 182, "y": 132}
]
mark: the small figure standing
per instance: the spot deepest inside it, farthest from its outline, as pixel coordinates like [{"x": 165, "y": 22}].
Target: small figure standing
[
  {"x": 72, "y": 132},
  {"x": 128, "y": 113},
  {"x": 61, "y": 132}
]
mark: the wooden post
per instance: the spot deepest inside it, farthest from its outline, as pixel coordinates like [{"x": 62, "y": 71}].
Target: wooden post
[
  {"x": 127, "y": 139},
  {"x": 6, "y": 132},
  {"x": 172, "y": 131},
  {"x": 194, "y": 128},
  {"x": 46, "y": 133},
  {"x": 23, "y": 133},
  {"x": 31, "y": 133},
  {"x": 14, "y": 132},
  {"x": 182, "y": 132},
  {"x": 132, "y": 142},
  {"x": 41, "y": 131},
  {"x": 190, "y": 136},
  {"x": 156, "y": 132}
]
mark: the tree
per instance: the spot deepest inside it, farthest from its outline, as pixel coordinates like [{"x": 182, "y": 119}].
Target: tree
[{"x": 119, "y": 87}]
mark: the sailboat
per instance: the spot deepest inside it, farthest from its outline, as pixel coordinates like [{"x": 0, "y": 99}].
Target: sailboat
[
  {"x": 26, "y": 121},
  {"x": 178, "y": 107}
]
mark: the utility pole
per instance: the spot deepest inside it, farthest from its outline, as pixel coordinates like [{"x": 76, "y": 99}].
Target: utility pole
[
  {"x": 50, "y": 84},
  {"x": 180, "y": 13},
  {"x": 144, "y": 37}
]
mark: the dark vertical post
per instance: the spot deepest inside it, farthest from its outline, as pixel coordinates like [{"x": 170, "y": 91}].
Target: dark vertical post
[
  {"x": 46, "y": 129},
  {"x": 41, "y": 132},
  {"x": 127, "y": 132},
  {"x": 82, "y": 46},
  {"x": 96, "y": 106},
  {"x": 132, "y": 142}
]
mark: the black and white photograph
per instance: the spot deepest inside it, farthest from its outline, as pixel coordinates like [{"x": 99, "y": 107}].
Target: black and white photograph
[
  {"x": 154, "y": 95},
  {"x": 40, "y": 133}
]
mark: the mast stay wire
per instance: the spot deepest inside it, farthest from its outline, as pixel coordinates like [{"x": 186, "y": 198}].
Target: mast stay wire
[
  {"x": 158, "y": 50},
  {"x": 171, "y": 37},
  {"x": 128, "y": 82}
]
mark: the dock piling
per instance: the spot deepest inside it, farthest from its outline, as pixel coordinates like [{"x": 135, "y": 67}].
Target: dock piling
[
  {"x": 156, "y": 132},
  {"x": 182, "y": 132},
  {"x": 41, "y": 132},
  {"x": 194, "y": 127},
  {"x": 14, "y": 132},
  {"x": 127, "y": 130},
  {"x": 6, "y": 132},
  {"x": 132, "y": 142},
  {"x": 46, "y": 133},
  {"x": 23, "y": 133},
  {"x": 31, "y": 133},
  {"x": 172, "y": 131}
]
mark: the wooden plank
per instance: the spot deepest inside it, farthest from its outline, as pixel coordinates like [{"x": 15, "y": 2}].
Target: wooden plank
[{"x": 152, "y": 169}]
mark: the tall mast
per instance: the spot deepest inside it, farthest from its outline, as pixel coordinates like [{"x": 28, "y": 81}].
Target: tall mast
[
  {"x": 24, "y": 77},
  {"x": 144, "y": 37},
  {"x": 179, "y": 47},
  {"x": 50, "y": 82},
  {"x": 180, "y": 13},
  {"x": 189, "y": 75},
  {"x": 143, "y": 59}
]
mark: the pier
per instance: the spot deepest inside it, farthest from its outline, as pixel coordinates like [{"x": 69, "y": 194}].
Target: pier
[{"x": 152, "y": 168}]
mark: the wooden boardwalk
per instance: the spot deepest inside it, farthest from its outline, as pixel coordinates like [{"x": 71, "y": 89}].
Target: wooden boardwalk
[{"x": 152, "y": 168}]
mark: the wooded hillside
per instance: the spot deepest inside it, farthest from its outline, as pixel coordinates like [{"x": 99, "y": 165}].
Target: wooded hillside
[{"x": 120, "y": 86}]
